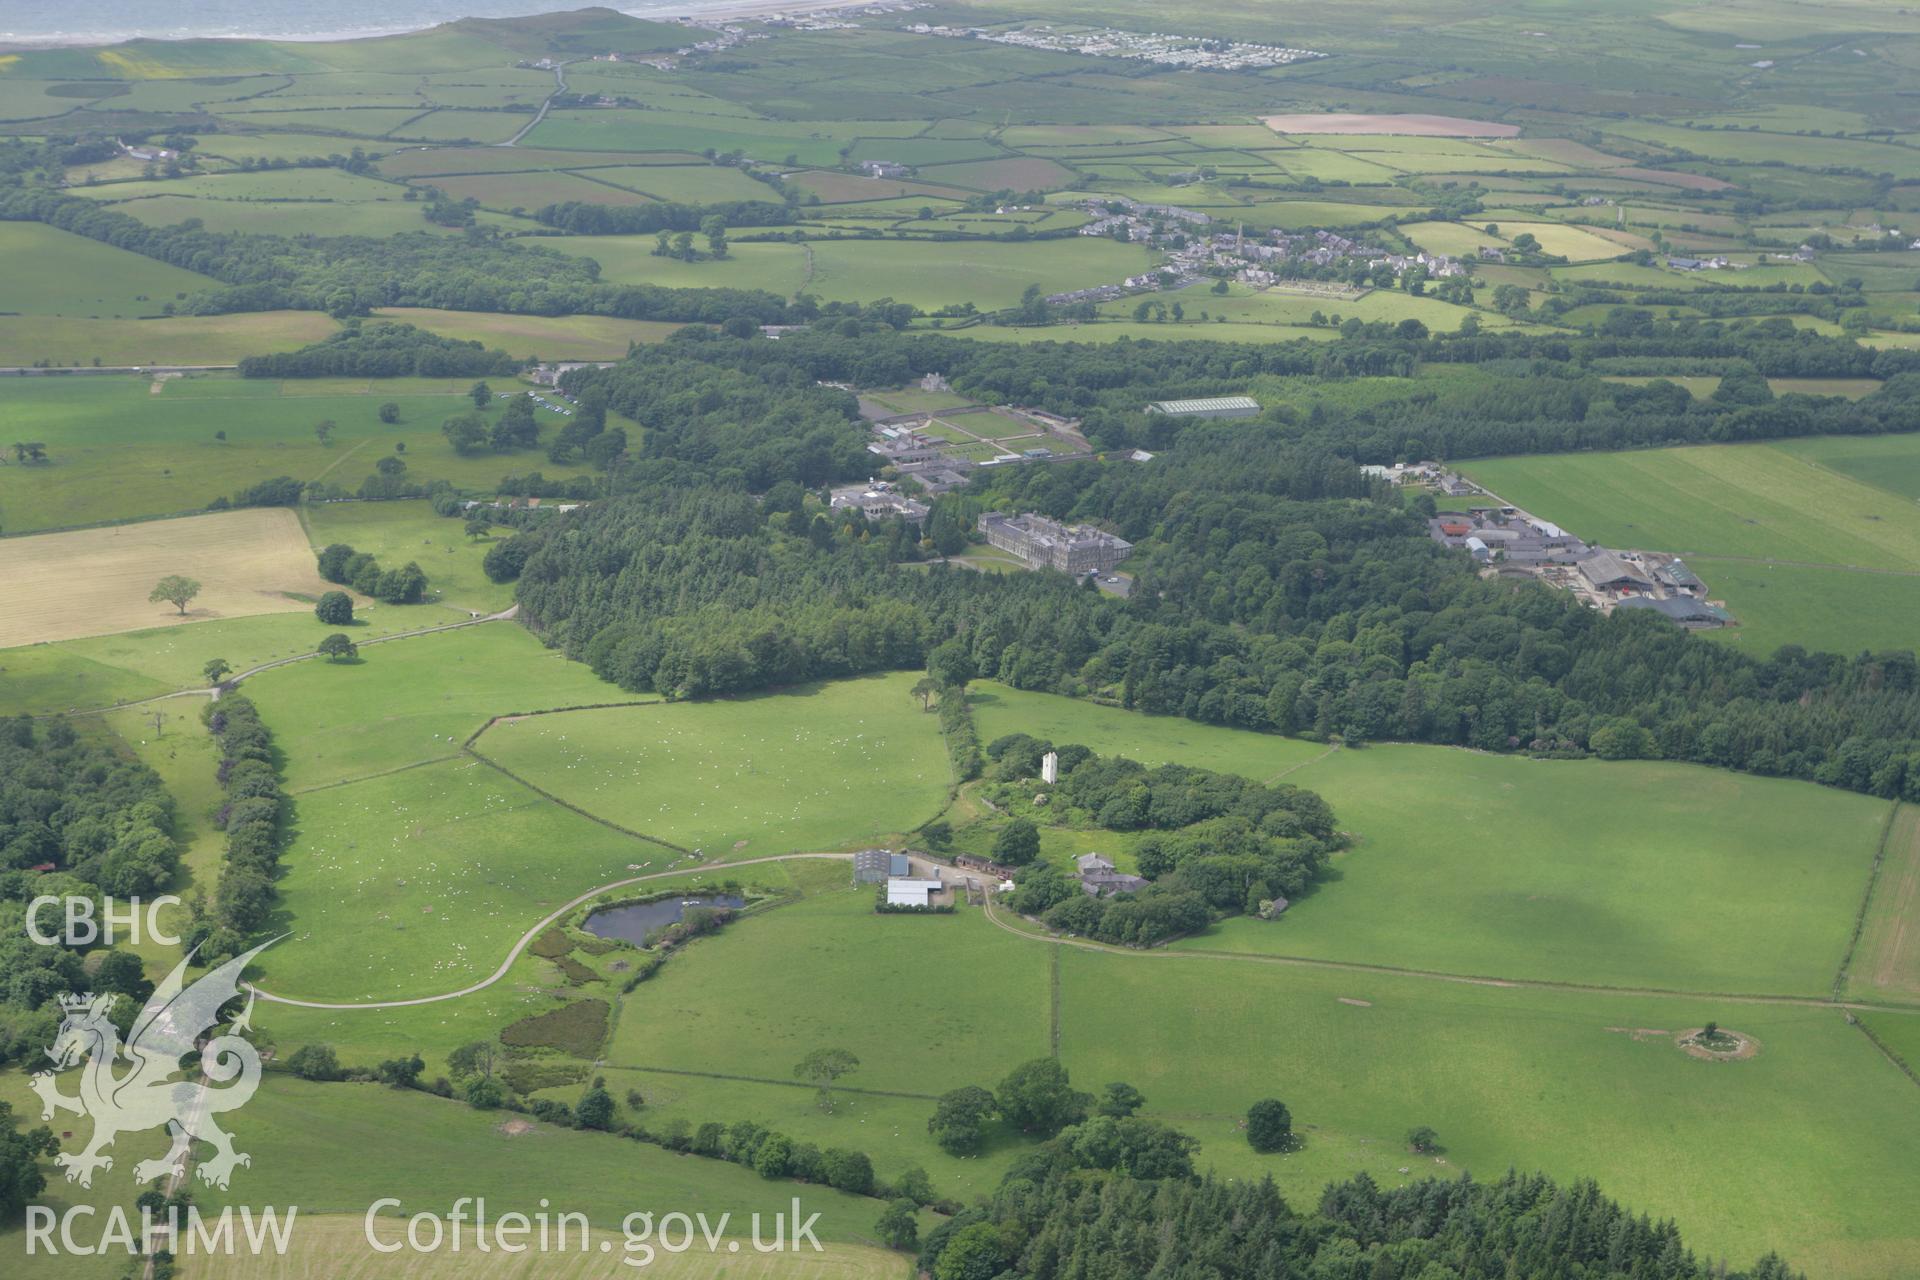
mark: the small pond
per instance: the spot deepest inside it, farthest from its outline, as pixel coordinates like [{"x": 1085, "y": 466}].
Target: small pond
[{"x": 634, "y": 922}]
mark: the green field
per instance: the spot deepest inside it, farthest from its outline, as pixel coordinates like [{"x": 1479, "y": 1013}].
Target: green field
[
  {"x": 748, "y": 1004},
  {"x": 547, "y": 337},
  {"x": 1520, "y": 1079},
  {"x": 1784, "y": 509},
  {"x": 986, "y": 274},
  {"x": 102, "y": 670},
  {"x": 391, "y": 710},
  {"x": 1503, "y": 867},
  {"x": 383, "y": 736},
  {"x": 333, "y": 1149},
  {"x": 118, "y": 448},
  {"x": 817, "y": 768},
  {"x": 1885, "y": 964},
  {"x": 397, "y": 532},
  {"x": 57, "y": 273},
  {"x": 218, "y": 340}
]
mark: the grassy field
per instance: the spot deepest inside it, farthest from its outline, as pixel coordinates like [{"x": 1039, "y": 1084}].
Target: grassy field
[
  {"x": 544, "y": 337},
  {"x": 1505, "y": 867},
  {"x": 749, "y": 1003},
  {"x": 328, "y": 1247},
  {"x": 57, "y": 273},
  {"x": 334, "y": 1149},
  {"x": 989, "y": 275},
  {"x": 778, "y": 267},
  {"x": 820, "y": 767},
  {"x": 1886, "y": 960},
  {"x": 119, "y": 448},
  {"x": 1777, "y": 506},
  {"x": 1885, "y": 462},
  {"x": 96, "y": 581},
  {"x": 1520, "y": 1079},
  {"x": 397, "y": 532},
  {"x": 100, "y": 670},
  {"x": 414, "y": 700},
  {"x": 80, "y": 340},
  {"x": 1836, "y": 610},
  {"x": 384, "y": 892}
]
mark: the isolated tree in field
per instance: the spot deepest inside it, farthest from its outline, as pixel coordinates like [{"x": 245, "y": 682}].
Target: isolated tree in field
[
  {"x": 466, "y": 432},
  {"x": 338, "y": 648},
  {"x": 390, "y": 465},
  {"x": 323, "y": 430},
  {"x": 821, "y": 1068},
  {"x": 1423, "y": 1139},
  {"x": 1017, "y": 844},
  {"x": 478, "y": 527},
  {"x": 1269, "y": 1125},
  {"x": 1036, "y": 1097},
  {"x": 960, "y": 1117},
  {"x": 1120, "y": 1100},
  {"x": 389, "y": 413},
  {"x": 481, "y": 394},
  {"x": 925, "y": 690},
  {"x": 176, "y": 590},
  {"x": 216, "y": 670},
  {"x": 335, "y": 608},
  {"x": 897, "y": 1227}
]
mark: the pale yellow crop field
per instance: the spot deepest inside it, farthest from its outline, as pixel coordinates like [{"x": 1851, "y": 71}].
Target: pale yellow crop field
[{"x": 95, "y": 581}]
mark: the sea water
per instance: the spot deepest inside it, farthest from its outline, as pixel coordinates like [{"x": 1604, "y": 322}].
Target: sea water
[{"x": 24, "y": 22}]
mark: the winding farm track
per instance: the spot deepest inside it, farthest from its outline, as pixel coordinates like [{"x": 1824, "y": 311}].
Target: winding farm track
[
  {"x": 526, "y": 939},
  {"x": 560, "y": 87},
  {"x": 1056, "y": 941}
]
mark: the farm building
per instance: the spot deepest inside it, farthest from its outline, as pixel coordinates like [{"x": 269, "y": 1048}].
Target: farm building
[
  {"x": 974, "y": 862},
  {"x": 1608, "y": 572},
  {"x": 1675, "y": 574},
  {"x": 904, "y": 892},
  {"x": 1683, "y": 610},
  {"x": 1098, "y": 877},
  {"x": 1208, "y": 407},
  {"x": 871, "y": 866}
]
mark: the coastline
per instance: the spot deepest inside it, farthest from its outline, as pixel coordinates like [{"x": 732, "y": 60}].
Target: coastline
[{"x": 663, "y": 11}]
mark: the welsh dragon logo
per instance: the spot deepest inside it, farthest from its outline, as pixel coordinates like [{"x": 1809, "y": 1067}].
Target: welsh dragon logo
[{"x": 146, "y": 1096}]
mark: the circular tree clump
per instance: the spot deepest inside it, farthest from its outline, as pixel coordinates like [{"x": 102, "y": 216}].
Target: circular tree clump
[
  {"x": 335, "y": 608},
  {"x": 1269, "y": 1125}
]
